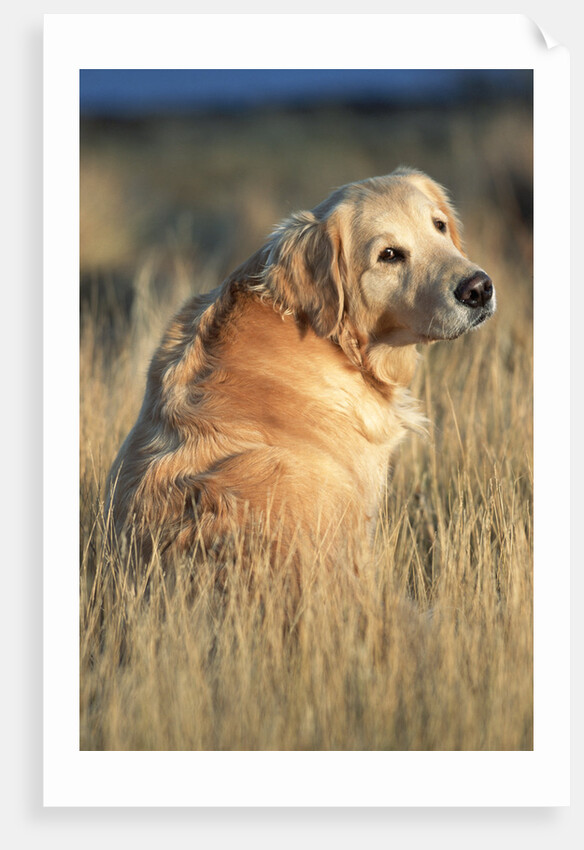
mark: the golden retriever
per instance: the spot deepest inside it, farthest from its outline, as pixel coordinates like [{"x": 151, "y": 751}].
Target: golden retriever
[{"x": 279, "y": 398}]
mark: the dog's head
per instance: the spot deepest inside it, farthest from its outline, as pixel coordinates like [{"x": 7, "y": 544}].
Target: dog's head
[{"x": 383, "y": 256}]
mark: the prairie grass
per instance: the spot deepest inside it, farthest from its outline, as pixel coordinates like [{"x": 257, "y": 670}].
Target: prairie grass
[{"x": 430, "y": 648}]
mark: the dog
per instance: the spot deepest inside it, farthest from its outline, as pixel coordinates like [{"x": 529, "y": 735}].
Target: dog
[{"x": 278, "y": 399}]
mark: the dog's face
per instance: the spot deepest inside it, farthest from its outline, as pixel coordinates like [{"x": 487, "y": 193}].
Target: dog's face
[
  {"x": 408, "y": 278},
  {"x": 382, "y": 257}
]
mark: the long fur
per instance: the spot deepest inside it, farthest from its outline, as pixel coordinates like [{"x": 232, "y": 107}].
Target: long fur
[{"x": 279, "y": 398}]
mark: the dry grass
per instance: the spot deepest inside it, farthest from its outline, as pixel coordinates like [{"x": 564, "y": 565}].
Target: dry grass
[{"x": 429, "y": 649}]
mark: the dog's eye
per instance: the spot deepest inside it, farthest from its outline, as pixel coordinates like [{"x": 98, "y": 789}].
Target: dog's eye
[
  {"x": 390, "y": 255},
  {"x": 440, "y": 225}
]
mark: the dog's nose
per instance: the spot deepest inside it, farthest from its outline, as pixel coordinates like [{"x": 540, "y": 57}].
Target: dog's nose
[{"x": 475, "y": 291}]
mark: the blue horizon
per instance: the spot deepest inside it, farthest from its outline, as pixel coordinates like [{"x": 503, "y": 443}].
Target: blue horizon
[{"x": 134, "y": 92}]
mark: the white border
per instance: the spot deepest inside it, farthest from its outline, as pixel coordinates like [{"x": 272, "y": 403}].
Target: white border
[{"x": 72, "y": 778}]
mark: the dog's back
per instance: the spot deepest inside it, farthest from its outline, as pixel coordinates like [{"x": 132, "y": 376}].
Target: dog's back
[{"x": 254, "y": 419}]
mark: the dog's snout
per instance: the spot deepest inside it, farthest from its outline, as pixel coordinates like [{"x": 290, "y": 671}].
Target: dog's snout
[{"x": 475, "y": 291}]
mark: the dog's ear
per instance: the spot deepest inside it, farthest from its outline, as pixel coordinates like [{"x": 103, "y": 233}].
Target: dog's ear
[
  {"x": 439, "y": 196},
  {"x": 305, "y": 271},
  {"x": 300, "y": 267}
]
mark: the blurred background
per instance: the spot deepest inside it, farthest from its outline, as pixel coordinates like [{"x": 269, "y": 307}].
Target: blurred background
[{"x": 184, "y": 173}]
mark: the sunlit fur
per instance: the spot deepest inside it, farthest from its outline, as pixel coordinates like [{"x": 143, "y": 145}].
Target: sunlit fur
[{"x": 278, "y": 399}]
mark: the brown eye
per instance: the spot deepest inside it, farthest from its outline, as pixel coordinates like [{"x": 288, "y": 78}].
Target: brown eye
[
  {"x": 440, "y": 225},
  {"x": 390, "y": 255}
]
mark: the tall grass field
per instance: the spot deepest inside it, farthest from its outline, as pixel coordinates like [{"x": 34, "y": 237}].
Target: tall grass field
[{"x": 430, "y": 647}]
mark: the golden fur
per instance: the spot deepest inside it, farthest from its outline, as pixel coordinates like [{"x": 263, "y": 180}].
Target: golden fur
[{"x": 279, "y": 398}]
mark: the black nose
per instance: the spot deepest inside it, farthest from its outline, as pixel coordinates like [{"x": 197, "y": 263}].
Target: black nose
[{"x": 475, "y": 291}]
